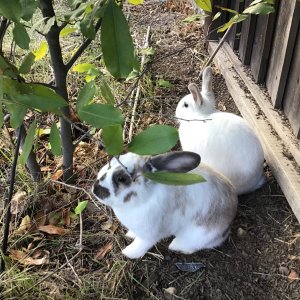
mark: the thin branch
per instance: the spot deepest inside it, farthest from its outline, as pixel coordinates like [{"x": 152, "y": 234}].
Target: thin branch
[
  {"x": 82, "y": 48},
  {"x": 8, "y": 201},
  {"x": 3, "y": 27}
]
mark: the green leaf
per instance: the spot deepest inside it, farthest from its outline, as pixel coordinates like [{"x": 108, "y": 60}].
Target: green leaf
[
  {"x": 28, "y": 8},
  {"x": 204, "y": 4},
  {"x": 116, "y": 41},
  {"x": 154, "y": 140},
  {"x": 21, "y": 36},
  {"x": 259, "y": 9},
  {"x": 1, "y": 98},
  {"x": 17, "y": 113},
  {"x": 164, "y": 83},
  {"x": 113, "y": 139},
  {"x": 216, "y": 16},
  {"x": 86, "y": 94},
  {"x": 66, "y": 31},
  {"x": 193, "y": 18},
  {"x": 235, "y": 19},
  {"x": 11, "y": 10},
  {"x": 106, "y": 92},
  {"x": 27, "y": 63},
  {"x": 87, "y": 27},
  {"x": 7, "y": 68},
  {"x": 170, "y": 178},
  {"x": 55, "y": 140},
  {"x": 135, "y": 2},
  {"x": 148, "y": 51},
  {"x": 81, "y": 206},
  {"x": 82, "y": 68},
  {"x": 228, "y": 9},
  {"x": 41, "y": 51},
  {"x": 27, "y": 146},
  {"x": 101, "y": 115}
]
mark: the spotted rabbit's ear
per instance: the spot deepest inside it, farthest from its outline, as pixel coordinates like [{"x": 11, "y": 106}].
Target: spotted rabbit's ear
[
  {"x": 207, "y": 80},
  {"x": 195, "y": 91},
  {"x": 181, "y": 161}
]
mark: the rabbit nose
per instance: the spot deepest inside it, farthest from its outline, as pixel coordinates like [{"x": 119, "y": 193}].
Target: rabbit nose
[{"x": 100, "y": 191}]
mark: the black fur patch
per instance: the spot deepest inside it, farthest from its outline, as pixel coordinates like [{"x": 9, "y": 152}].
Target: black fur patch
[
  {"x": 100, "y": 191},
  {"x": 120, "y": 178},
  {"x": 103, "y": 177},
  {"x": 128, "y": 196}
]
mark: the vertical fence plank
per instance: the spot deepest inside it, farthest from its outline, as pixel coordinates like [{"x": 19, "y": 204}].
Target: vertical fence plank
[
  {"x": 234, "y": 35},
  {"x": 263, "y": 38},
  {"x": 247, "y": 37},
  {"x": 291, "y": 99},
  {"x": 282, "y": 49}
]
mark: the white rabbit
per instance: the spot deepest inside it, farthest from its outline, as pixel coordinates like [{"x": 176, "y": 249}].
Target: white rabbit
[
  {"x": 225, "y": 141},
  {"x": 198, "y": 215}
]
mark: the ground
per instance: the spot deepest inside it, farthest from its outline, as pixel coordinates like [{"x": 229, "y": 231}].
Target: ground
[{"x": 255, "y": 263}]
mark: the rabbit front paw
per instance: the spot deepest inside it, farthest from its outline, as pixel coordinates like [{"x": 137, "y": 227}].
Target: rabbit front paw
[
  {"x": 130, "y": 234},
  {"x": 137, "y": 248}
]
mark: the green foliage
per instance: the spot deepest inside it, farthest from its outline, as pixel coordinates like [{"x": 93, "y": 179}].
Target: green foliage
[
  {"x": 164, "y": 83},
  {"x": 113, "y": 139},
  {"x": 11, "y": 9},
  {"x": 154, "y": 140},
  {"x": 204, "y": 4},
  {"x": 86, "y": 94},
  {"x": 171, "y": 178},
  {"x": 17, "y": 113},
  {"x": 81, "y": 206},
  {"x": 101, "y": 115},
  {"x": 55, "y": 140},
  {"x": 106, "y": 92},
  {"x": 21, "y": 36},
  {"x": 27, "y": 63},
  {"x": 27, "y": 144},
  {"x": 116, "y": 41}
]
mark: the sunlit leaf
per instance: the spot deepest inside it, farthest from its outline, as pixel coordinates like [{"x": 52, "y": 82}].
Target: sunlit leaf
[
  {"x": 27, "y": 146},
  {"x": 17, "y": 113},
  {"x": 84, "y": 67},
  {"x": 52, "y": 229},
  {"x": 101, "y": 115},
  {"x": 66, "y": 31},
  {"x": 135, "y": 2},
  {"x": 55, "y": 140},
  {"x": 235, "y": 19},
  {"x": 41, "y": 51},
  {"x": 204, "y": 4},
  {"x": 87, "y": 27},
  {"x": 86, "y": 94},
  {"x": 154, "y": 140},
  {"x": 164, "y": 83},
  {"x": 113, "y": 139},
  {"x": 27, "y": 63},
  {"x": 193, "y": 18},
  {"x": 170, "y": 178},
  {"x": 21, "y": 36},
  {"x": 116, "y": 42},
  {"x": 216, "y": 16},
  {"x": 259, "y": 9},
  {"x": 81, "y": 206}
]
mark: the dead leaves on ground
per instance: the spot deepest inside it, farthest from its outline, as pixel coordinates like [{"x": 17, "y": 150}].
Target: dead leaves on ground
[
  {"x": 26, "y": 258},
  {"x": 101, "y": 253}
]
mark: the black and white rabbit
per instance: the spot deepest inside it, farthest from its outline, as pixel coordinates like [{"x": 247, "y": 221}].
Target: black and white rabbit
[
  {"x": 225, "y": 141},
  {"x": 198, "y": 215}
]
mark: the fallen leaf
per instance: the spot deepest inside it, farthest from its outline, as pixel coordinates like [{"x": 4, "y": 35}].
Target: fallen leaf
[
  {"x": 51, "y": 229},
  {"x": 171, "y": 290},
  {"x": 24, "y": 226},
  {"x": 65, "y": 214},
  {"x": 56, "y": 175},
  {"x": 31, "y": 244},
  {"x": 190, "y": 267},
  {"x": 113, "y": 227},
  {"x": 34, "y": 260},
  {"x": 107, "y": 225},
  {"x": 54, "y": 218},
  {"x": 293, "y": 276},
  {"x": 18, "y": 202},
  {"x": 103, "y": 251},
  {"x": 40, "y": 218}
]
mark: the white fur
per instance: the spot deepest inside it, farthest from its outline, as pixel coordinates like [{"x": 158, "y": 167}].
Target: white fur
[
  {"x": 225, "y": 141},
  {"x": 196, "y": 215}
]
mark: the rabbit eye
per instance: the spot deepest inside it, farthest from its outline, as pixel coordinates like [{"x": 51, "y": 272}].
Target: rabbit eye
[{"x": 185, "y": 104}]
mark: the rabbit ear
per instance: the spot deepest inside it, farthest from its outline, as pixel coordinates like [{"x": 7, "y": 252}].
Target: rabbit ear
[
  {"x": 195, "y": 91},
  {"x": 207, "y": 80},
  {"x": 181, "y": 161}
]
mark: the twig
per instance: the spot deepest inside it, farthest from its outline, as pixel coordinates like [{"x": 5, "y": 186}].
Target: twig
[
  {"x": 8, "y": 201},
  {"x": 208, "y": 62},
  {"x": 137, "y": 94}
]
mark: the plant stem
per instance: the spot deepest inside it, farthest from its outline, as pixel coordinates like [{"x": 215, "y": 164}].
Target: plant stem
[
  {"x": 60, "y": 74},
  {"x": 8, "y": 201}
]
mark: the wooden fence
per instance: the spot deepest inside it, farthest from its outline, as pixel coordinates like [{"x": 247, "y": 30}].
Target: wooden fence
[{"x": 270, "y": 46}]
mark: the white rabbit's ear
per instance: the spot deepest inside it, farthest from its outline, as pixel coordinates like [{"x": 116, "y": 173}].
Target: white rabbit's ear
[
  {"x": 181, "y": 161},
  {"x": 207, "y": 80},
  {"x": 195, "y": 91}
]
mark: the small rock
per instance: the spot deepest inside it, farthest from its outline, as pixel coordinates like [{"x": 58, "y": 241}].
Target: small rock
[
  {"x": 171, "y": 290},
  {"x": 241, "y": 232},
  {"x": 284, "y": 270},
  {"x": 293, "y": 275}
]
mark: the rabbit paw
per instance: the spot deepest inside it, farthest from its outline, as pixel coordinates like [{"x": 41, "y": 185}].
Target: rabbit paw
[
  {"x": 130, "y": 234},
  {"x": 137, "y": 248},
  {"x": 180, "y": 246}
]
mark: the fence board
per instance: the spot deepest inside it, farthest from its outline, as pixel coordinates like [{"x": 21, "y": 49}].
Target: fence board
[
  {"x": 264, "y": 30},
  {"x": 247, "y": 37},
  {"x": 234, "y": 35},
  {"x": 291, "y": 100},
  {"x": 282, "y": 49}
]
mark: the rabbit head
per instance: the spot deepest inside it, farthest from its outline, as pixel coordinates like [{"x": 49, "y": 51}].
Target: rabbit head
[
  {"x": 120, "y": 182},
  {"x": 197, "y": 102}
]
